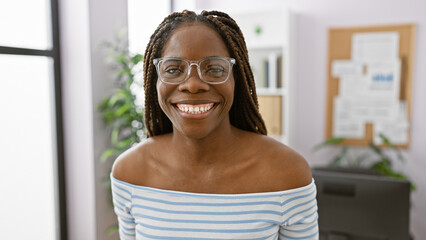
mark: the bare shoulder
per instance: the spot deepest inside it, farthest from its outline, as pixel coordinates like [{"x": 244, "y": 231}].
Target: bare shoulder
[
  {"x": 124, "y": 165},
  {"x": 132, "y": 165},
  {"x": 285, "y": 168}
]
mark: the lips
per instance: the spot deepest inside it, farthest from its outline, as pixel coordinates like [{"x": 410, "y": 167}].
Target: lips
[{"x": 194, "y": 109}]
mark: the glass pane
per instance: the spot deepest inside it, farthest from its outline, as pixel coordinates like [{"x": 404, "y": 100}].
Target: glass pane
[
  {"x": 27, "y": 205},
  {"x": 143, "y": 19},
  {"x": 25, "y": 23}
]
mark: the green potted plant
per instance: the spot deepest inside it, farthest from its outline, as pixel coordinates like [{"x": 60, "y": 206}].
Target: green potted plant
[
  {"x": 119, "y": 110},
  {"x": 121, "y": 113},
  {"x": 380, "y": 162}
]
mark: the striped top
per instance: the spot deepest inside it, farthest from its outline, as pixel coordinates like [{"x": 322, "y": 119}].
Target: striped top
[{"x": 150, "y": 213}]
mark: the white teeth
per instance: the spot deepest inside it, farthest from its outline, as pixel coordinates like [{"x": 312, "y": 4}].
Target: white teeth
[{"x": 195, "y": 109}]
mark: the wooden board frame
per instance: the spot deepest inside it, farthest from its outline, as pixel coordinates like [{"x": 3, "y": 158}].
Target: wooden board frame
[{"x": 339, "y": 48}]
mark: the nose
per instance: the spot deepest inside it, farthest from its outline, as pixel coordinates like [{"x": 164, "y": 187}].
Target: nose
[{"x": 194, "y": 84}]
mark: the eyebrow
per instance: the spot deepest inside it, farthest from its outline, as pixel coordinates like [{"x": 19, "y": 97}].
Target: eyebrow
[{"x": 193, "y": 59}]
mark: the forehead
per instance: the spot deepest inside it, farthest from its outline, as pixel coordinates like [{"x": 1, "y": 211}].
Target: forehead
[{"x": 195, "y": 41}]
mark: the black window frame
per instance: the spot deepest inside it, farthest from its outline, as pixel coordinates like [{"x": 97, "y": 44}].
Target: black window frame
[{"x": 53, "y": 53}]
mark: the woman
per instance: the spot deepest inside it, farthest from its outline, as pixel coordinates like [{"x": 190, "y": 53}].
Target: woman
[{"x": 207, "y": 170}]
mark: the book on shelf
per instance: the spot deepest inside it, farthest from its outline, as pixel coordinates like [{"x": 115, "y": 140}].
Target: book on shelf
[
  {"x": 270, "y": 74},
  {"x": 279, "y": 71},
  {"x": 266, "y": 76},
  {"x": 272, "y": 71}
]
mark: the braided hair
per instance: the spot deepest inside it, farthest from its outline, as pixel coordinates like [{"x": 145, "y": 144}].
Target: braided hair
[{"x": 244, "y": 113}]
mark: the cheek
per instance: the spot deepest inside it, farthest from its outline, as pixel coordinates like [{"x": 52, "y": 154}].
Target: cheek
[
  {"x": 161, "y": 94},
  {"x": 231, "y": 91}
]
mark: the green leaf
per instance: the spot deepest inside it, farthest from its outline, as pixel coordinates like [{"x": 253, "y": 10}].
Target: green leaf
[
  {"x": 120, "y": 111},
  {"x": 129, "y": 82},
  {"x": 376, "y": 149},
  {"x": 338, "y": 160},
  {"x": 124, "y": 71},
  {"x": 115, "y": 99},
  {"x": 333, "y": 141},
  {"x": 137, "y": 58},
  {"x": 124, "y": 93},
  {"x": 108, "y": 116},
  {"x": 121, "y": 59},
  {"x": 111, "y": 230},
  {"x": 330, "y": 141},
  {"x": 102, "y": 106},
  {"x": 114, "y": 135},
  {"x": 387, "y": 142},
  {"x": 108, "y": 153},
  {"x": 124, "y": 144}
]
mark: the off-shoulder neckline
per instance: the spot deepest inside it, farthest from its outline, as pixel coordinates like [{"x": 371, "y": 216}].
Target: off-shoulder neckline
[{"x": 183, "y": 193}]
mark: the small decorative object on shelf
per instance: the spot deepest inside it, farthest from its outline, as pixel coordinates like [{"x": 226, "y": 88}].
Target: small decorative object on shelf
[{"x": 258, "y": 30}]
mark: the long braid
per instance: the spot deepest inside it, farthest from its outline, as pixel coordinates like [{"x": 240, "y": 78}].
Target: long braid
[
  {"x": 244, "y": 113},
  {"x": 155, "y": 119},
  {"x": 248, "y": 89}
]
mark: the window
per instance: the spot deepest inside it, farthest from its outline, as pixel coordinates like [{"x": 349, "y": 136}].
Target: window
[
  {"x": 144, "y": 18},
  {"x": 32, "y": 180}
]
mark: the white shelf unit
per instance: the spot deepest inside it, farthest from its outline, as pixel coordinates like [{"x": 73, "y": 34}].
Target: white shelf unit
[{"x": 269, "y": 35}]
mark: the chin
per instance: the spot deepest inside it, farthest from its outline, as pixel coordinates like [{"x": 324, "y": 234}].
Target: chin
[{"x": 194, "y": 132}]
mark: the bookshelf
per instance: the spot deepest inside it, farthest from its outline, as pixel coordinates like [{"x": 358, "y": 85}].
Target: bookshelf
[{"x": 268, "y": 36}]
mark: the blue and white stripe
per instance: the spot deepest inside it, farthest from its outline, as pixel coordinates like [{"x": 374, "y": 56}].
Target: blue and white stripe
[{"x": 149, "y": 213}]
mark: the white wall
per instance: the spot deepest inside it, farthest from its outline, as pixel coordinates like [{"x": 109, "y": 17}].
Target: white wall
[
  {"x": 86, "y": 79},
  {"x": 313, "y": 18}
]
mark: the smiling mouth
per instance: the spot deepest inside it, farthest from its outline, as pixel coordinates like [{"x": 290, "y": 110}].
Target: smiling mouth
[{"x": 195, "y": 108}]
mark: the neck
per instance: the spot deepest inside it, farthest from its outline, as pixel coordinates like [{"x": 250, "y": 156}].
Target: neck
[{"x": 209, "y": 149}]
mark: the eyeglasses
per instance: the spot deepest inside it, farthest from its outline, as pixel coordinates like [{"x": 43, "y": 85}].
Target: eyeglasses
[{"x": 211, "y": 70}]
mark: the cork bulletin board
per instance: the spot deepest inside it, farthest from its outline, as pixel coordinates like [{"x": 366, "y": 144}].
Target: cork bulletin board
[{"x": 340, "y": 48}]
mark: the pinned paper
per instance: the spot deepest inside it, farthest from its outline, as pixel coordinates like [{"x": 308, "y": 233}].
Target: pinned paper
[
  {"x": 397, "y": 130},
  {"x": 346, "y": 67},
  {"x": 384, "y": 78},
  {"x": 352, "y": 86},
  {"x": 375, "y": 46},
  {"x": 344, "y": 123}
]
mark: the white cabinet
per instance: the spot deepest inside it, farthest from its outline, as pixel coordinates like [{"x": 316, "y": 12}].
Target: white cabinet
[{"x": 270, "y": 42}]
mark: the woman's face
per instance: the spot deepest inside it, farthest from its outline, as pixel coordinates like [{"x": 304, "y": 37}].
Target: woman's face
[{"x": 195, "y": 108}]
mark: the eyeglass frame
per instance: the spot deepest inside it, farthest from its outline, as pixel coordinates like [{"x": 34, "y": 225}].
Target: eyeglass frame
[{"x": 157, "y": 62}]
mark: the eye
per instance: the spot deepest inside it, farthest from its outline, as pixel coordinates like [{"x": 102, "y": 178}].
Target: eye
[
  {"x": 173, "y": 70},
  {"x": 215, "y": 69}
]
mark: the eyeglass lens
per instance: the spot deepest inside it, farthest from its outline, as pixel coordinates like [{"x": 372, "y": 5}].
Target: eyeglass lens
[{"x": 212, "y": 70}]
